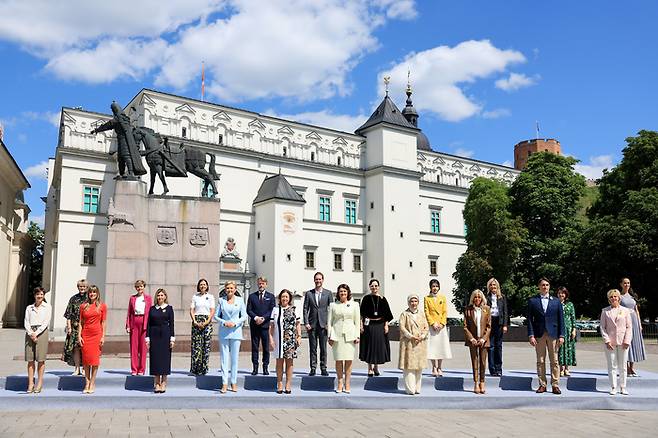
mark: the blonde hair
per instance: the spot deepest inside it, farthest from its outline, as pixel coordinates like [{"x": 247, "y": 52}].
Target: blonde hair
[
  {"x": 474, "y": 294},
  {"x": 262, "y": 278},
  {"x": 612, "y": 292},
  {"x": 82, "y": 282},
  {"x": 491, "y": 281},
  {"x": 165, "y": 294},
  {"x": 231, "y": 282},
  {"x": 97, "y": 301}
]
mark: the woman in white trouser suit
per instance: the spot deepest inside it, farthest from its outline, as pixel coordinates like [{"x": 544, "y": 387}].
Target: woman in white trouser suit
[{"x": 617, "y": 331}]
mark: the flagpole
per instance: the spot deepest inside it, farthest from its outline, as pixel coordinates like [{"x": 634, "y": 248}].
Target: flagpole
[{"x": 203, "y": 80}]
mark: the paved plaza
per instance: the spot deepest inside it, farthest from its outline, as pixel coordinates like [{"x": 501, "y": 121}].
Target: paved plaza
[{"x": 253, "y": 413}]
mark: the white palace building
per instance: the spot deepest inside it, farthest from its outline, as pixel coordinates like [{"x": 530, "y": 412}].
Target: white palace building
[{"x": 379, "y": 203}]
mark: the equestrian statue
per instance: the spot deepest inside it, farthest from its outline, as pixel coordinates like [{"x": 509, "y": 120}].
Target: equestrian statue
[{"x": 162, "y": 159}]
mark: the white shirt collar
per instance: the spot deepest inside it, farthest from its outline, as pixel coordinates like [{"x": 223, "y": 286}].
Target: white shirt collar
[{"x": 164, "y": 306}]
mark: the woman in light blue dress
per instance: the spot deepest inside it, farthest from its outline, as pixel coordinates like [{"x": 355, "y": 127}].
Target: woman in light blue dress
[
  {"x": 231, "y": 314},
  {"x": 636, "y": 350}
]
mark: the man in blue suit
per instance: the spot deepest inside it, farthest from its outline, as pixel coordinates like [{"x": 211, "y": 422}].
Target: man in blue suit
[
  {"x": 259, "y": 309},
  {"x": 546, "y": 332}
]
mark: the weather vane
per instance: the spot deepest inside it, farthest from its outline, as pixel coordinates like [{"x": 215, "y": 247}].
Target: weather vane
[
  {"x": 387, "y": 80},
  {"x": 408, "y": 79}
]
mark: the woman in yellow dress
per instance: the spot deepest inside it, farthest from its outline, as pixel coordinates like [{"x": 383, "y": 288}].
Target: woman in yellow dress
[{"x": 436, "y": 312}]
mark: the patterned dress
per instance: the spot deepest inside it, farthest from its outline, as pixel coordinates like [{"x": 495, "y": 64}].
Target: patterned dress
[
  {"x": 567, "y": 353},
  {"x": 201, "y": 341},
  {"x": 636, "y": 350},
  {"x": 73, "y": 313},
  {"x": 285, "y": 332}
]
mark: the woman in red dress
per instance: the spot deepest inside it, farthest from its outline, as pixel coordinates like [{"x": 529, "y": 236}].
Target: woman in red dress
[{"x": 93, "y": 314}]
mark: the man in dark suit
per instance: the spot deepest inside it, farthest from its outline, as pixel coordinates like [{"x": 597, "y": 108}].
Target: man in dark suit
[
  {"x": 259, "y": 310},
  {"x": 316, "y": 309},
  {"x": 546, "y": 332}
]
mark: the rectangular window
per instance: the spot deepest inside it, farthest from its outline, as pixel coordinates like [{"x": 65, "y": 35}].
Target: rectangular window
[
  {"x": 310, "y": 260},
  {"x": 350, "y": 211},
  {"x": 90, "y": 199},
  {"x": 325, "y": 208},
  {"x": 435, "y": 221},
  {"x": 433, "y": 267},
  {"x": 184, "y": 132},
  {"x": 356, "y": 263},
  {"x": 338, "y": 262},
  {"x": 89, "y": 255}
]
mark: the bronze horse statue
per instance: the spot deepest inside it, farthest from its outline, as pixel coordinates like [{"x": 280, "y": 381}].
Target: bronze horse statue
[{"x": 164, "y": 160}]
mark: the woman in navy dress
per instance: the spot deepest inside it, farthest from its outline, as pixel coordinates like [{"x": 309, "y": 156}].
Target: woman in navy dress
[{"x": 160, "y": 339}]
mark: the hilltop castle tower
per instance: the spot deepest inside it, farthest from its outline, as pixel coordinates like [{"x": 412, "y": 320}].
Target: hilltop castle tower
[{"x": 524, "y": 149}]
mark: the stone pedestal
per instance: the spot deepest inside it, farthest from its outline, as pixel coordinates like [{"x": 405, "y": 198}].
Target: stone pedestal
[{"x": 168, "y": 241}]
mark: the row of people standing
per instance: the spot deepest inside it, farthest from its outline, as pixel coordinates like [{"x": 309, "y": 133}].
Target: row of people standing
[{"x": 372, "y": 334}]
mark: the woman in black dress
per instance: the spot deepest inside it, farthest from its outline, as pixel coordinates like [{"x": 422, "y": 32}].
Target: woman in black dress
[
  {"x": 160, "y": 339},
  {"x": 375, "y": 315}
]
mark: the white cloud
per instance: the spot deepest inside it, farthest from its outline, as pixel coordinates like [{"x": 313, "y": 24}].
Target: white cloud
[
  {"x": 462, "y": 152},
  {"x": 325, "y": 119},
  {"x": 438, "y": 75},
  {"x": 496, "y": 113},
  {"x": 45, "y": 27},
  {"x": 402, "y": 9},
  {"x": 516, "y": 81},
  {"x": 252, "y": 49},
  {"x": 39, "y": 220},
  {"x": 46, "y": 116},
  {"x": 109, "y": 60},
  {"x": 593, "y": 169},
  {"x": 39, "y": 171}
]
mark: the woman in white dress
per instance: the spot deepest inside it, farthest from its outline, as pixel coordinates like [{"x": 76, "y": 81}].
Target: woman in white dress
[
  {"x": 436, "y": 312},
  {"x": 343, "y": 331}
]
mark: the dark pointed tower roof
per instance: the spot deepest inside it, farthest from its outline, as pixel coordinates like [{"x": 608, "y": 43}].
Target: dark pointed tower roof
[
  {"x": 277, "y": 187},
  {"x": 410, "y": 113},
  {"x": 388, "y": 113}
]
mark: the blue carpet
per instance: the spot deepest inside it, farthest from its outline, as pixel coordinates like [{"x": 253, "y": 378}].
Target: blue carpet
[{"x": 116, "y": 389}]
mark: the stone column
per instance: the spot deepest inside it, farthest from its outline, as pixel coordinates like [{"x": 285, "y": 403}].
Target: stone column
[{"x": 168, "y": 241}]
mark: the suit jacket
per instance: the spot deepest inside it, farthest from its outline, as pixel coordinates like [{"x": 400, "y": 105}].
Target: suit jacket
[
  {"x": 470, "y": 327},
  {"x": 256, "y": 308},
  {"x": 616, "y": 330},
  {"x": 551, "y": 322},
  {"x": 436, "y": 310},
  {"x": 503, "y": 309},
  {"x": 315, "y": 315},
  {"x": 148, "y": 302},
  {"x": 344, "y": 320}
]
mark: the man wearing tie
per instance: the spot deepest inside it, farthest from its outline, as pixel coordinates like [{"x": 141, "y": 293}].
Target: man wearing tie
[
  {"x": 259, "y": 310},
  {"x": 316, "y": 309},
  {"x": 546, "y": 332}
]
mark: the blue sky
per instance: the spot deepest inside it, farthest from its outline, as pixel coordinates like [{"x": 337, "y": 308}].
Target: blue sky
[{"x": 483, "y": 72}]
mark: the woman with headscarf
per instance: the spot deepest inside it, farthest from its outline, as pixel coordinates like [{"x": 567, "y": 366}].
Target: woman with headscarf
[{"x": 414, "y": 331}]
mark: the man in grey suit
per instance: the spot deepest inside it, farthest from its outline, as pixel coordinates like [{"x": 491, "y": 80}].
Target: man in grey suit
[{"x": 316, "y": 308}]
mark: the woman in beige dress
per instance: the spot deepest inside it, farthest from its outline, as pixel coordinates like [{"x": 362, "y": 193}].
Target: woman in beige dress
[
  {"x": 414, "y": 331},
  {"x": 343, "y": 331}
]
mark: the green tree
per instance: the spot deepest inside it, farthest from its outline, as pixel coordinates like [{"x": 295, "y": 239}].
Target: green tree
[
  {"x": 622, "y": 238},
  {"x": 546, "y": 198},
  {"x": 36, "y": 257},
  {"x": 493, "y": 240}
]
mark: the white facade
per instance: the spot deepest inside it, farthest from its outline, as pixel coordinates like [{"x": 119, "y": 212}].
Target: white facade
[
  {"x": 394, "y": 187},
  {"x": 15, "y": 243}
]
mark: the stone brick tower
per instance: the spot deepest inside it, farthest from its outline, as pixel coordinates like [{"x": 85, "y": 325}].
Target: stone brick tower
[{"x": 524, "y": 149}]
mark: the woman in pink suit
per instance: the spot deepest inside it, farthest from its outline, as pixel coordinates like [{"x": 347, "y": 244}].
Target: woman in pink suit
[
  {"x": 617, "y": 331},
  {"x": 136, "y": 324}
]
